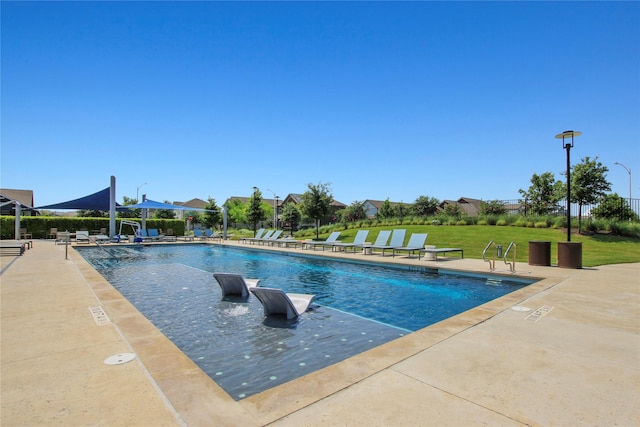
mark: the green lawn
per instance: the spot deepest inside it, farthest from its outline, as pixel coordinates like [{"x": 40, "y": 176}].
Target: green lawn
[{"x": 598, "y": 249}]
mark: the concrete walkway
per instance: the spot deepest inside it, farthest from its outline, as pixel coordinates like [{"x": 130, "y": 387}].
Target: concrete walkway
[{"x": 573, "y": 360}]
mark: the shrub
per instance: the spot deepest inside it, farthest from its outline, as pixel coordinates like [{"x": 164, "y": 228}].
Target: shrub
[
  {"x": 540, "y": 224},
  {"x": 483, "y": 222},
  {"x": 461, "y": 222},
  {"x": 502, "y": 222}
]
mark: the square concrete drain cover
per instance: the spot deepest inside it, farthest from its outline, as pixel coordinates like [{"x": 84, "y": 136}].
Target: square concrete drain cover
[
  {"x": 536, "y": 315},
  {"x": 99, "y": 316}
]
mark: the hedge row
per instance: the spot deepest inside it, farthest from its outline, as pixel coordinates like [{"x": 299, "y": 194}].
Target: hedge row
[{"x": 39, "y": 226}]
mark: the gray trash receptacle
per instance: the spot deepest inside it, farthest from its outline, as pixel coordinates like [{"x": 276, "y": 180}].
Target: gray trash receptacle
[{"x": 539, "y": 253}]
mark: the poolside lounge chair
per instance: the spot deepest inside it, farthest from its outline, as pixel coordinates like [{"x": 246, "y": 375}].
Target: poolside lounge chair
[
  {"x": 333, "y": 238},
  {"x": 266, "y": 235},
  {"x": 271, "y": 239},
  {"x": 235, "y": 284},
  {"x": 258, "y": 235},
  {"x": 154, "y": 235},
  {"x": 198, "y": 234},
  {"x": 82, "y": 236},
  {"x": 416, "y": 243},
  {"x": 24, "y": 234},
  {"x": 276, "y": 301},
  {"x": 361, "y": 237},
  {"x": 397, "y": 241},
  {"x": 381, "y": 240},
  {"x": 52, "y": 233}
]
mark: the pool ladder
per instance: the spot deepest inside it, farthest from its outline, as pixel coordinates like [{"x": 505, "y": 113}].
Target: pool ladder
[{"x": 498, "y": 253}]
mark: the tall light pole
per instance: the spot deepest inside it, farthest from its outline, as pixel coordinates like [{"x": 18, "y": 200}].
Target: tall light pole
[
  {"x": 275, "y": 209},
  {"x": 629, "y": 172},
  {"x": 567, "y": 145},
  {"x": 138, "y": 192}
]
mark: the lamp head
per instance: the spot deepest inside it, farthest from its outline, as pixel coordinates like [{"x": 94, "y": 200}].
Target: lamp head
[{"x": 566, "y": 135}]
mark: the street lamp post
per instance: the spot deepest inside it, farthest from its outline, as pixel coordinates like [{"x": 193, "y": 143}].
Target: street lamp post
[
  {"x": 569, "y": 253},
  {"x": 138, "y": 192},
  {"x": 629, "y": 172},
  {"x": 275, "y": 209},
  {"x": 566, "y": 144}
]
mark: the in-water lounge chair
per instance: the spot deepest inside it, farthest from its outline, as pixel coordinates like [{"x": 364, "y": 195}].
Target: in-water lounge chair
[
  {"x": 235, "y": 284},
  {"x": 361, "y": 237},
  {"x": 333, "y": 238},
  {"x": 416, "y": 242},
  {"x": 397, "y": 241},
  {"x": 276, "y": 301}
]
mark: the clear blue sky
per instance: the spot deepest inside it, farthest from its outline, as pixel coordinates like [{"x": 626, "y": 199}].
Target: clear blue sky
[{"x": 381, "y": 100}]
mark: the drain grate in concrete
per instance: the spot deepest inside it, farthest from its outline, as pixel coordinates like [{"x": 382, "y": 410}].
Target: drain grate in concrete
[
  {"x": 99, "y": 316},
  {"x": 536, "y": 315}
]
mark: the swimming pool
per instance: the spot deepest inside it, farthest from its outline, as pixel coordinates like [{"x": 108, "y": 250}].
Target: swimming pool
[{"x": 358, "y": 306}]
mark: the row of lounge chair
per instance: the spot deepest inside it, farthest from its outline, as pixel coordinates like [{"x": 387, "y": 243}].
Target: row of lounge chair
[
  {"x": 382, "y": 243},
  {"x": 274, "y": 301},
  {"x": 386, "y": 241}
]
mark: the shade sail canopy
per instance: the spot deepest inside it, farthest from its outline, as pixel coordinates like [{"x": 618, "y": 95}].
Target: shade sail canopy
[
  {"x": 97, "y": 202},
  {"x": 151, "y": 204}
]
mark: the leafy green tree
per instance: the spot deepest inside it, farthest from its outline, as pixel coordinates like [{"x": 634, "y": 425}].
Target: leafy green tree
[
  {"x": 543, "y": 195},
  {"x": 131, "y": 213},
  {"x": 493, "y": 207},
  {"x": 402, "y": 210},
  {"x": 614, "y": 207},
  {"x": 588, "y": 184},
  {"x": 291, "y": 216},
  {"x": 89, "y": 213},
  {"x": 212, "y": 218},
  {"x": 316, "y": 203},
  {"x": 164, "y": 213},
  {"x": 236, "y": 211},
  {"x": 386, "y": 210},
  {"x": 354, "y": 212},
  {"x": 254, "y": 210},
  {"x": 453, "y": 210},
  {"x": 425, "y": 206}
]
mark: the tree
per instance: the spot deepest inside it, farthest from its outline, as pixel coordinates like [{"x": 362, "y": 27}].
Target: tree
[
  {"x": 588, "y": 184},
  {"x": 254, "y": 210},
  {"x": 316, "y": 203},
  {"x": 291, "y": 215},
  {"x": 453, "y": 210},
  {"x": 386, "y": 210},
  {"x": 543, "y": 194},
  {"x": 236, "y": 211},
  {"x": 89, "y": 213},
  {"x": 131, "y": 213},
  {"x": 493, "y": 207},
  {"x": 612, "y": 206},
  {"x": 164, "y": 213},
  {"x": 212, "y": 217},
  {"x": 401, "y": 211},
  {"x": 425, "y": 206},
  {"x": 354, "y": 212}
]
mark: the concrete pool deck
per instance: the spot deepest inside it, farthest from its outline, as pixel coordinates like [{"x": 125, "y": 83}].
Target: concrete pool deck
[{"x": 574, "y": 359}]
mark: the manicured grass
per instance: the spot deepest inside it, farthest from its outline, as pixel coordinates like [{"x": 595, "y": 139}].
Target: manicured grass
[{"x": 597, "y": 249}]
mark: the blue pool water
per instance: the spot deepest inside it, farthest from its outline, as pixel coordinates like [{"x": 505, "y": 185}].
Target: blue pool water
[{"x": 358, "y": 306}]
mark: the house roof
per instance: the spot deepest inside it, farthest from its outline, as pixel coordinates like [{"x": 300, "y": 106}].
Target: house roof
[{"x": 193, "y": 203}]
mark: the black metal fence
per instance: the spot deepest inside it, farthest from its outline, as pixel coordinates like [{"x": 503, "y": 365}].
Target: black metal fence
[{"x": 620, "y": 209}]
